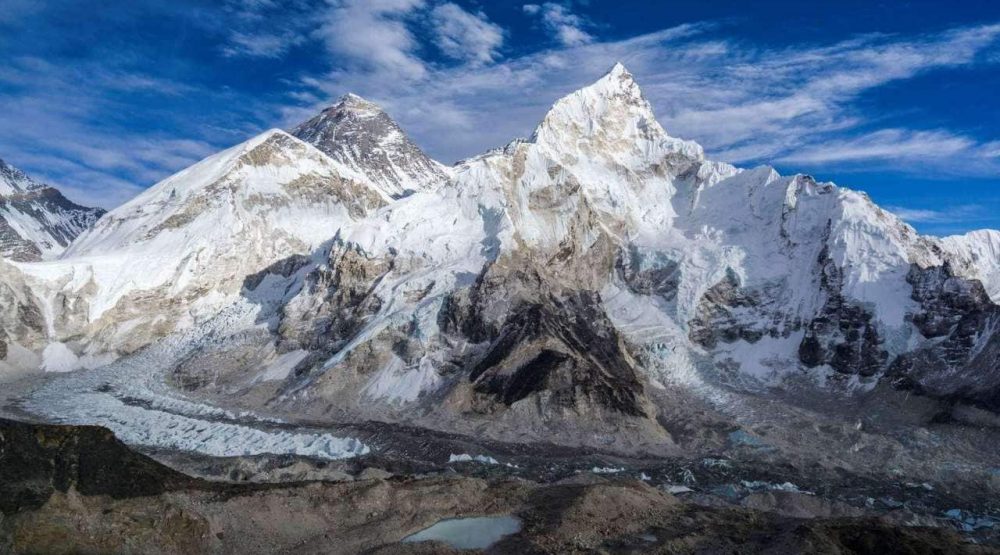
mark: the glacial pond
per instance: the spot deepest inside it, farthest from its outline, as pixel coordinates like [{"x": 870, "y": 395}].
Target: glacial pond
[{"x": 468, "y": 533}]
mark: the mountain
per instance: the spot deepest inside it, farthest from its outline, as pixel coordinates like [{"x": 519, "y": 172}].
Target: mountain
[
  {"x": 36, "y": 221},
  {"x": 584, "y": 275},
  {"x": 359, "y": 135},
  {"x": 181, "y": 250},
  {"x": 975, "y": 255},
  {"x": 584, "y": 287}
]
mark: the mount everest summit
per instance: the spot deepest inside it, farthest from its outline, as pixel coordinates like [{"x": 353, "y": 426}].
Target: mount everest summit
[{"x": 565, "y": 288}]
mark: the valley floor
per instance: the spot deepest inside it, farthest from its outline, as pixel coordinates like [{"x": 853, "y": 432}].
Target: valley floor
[
  {"x": 370, "y": 484},
  {"x": 67, "y": 489}
]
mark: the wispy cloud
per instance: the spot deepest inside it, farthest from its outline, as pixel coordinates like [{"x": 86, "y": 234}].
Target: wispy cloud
[
  {"x": 947, "y": 220},
  {"x": 465, "y": 36},
  {"x": 372, "y": 36},
  {"x": 951, "y": 214},
  {"x": 61, "y": 123},
  {"x": 261, "y": 45},
  {"x": 886, "y": 144},
  {"x": 566, "y": 26}
]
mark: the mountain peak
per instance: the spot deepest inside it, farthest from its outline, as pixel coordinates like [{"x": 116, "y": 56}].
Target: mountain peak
[
  {"x": 617, "y": 81},
  {"x": 619, "y": 74},
  {"x": 609, "y": 118},
  {"x": 36, "y": 221},
  {"x": 14, "y": 181},
  {"x": 618, "y": 69},
  {"x": 359, "y": 134},
  {"x": 351, "y": 102},
  {"x": 351, "y": 98}
]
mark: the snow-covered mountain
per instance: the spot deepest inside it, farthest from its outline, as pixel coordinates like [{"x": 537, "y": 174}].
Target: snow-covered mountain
[
  {"x": 555, "y": 289},
  {"x": 359, "y": 135},
  {"x": 181, "y": 250},
  {"x": 36, "y": 221},
  {"x": 581, "y": 269}
]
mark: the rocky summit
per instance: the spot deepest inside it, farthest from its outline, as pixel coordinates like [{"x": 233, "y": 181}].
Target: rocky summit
[
  {"x": 36, "y": 221},
  {"x": 594, "y": 320}
]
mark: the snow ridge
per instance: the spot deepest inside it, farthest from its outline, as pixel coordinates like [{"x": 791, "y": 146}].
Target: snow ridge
[{"x": 36, "y": 221}]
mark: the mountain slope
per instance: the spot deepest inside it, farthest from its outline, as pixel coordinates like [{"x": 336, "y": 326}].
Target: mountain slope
[
  {"x": 181, "y": 250},
  {"x": 359, "y": 135},
  {"x": 36, "y": 221}
]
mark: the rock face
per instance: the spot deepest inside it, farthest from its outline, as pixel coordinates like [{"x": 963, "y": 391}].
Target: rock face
[
  {"x": 359, "y": 135},
  {"x": 551, "y": 290},
  {"x": 36, "y": 221},
  {"x": 962, "y": 326},
  {"x": 22, "y": 324}
]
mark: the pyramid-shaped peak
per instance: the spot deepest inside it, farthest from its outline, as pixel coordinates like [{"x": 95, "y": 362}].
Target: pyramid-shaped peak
[
  {"x": 359, "y": 134},
  {"x": 351, "y": 101},
  {"x": 617, "y": 81},
  {"x": 612, "y": 104},
  {"x": 13, "y": 180},
  {"x": 619, "y": 71}
]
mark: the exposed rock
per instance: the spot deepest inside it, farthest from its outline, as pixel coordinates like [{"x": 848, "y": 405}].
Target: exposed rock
[
  {"x": 37, "y": 221},
  {"x": 961, "y": 360},
  {"x": 358, "y": 134},
  {"x": 844, "y": 334}
]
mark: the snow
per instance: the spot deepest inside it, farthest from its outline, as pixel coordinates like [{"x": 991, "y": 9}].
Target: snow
[
  {"x": 50, "y": 221},
  {"x": 397, "y": 382},
  {"x": 678, "y": 489},
  {"x": 218, "y": 203},
  {"x": 607, "y": 470},
  {"x": 130, "y": 397},
  {"x": 598, "y": 170},
  {"x": 465, "y": 457},
  {"x": 190, "y": 240},
  {"x": 769, "y": 359},
  {"x": 976, "y": 255},
  {"x": 58, "y": 357},
  {"x": 282, "y": 365},
  {"x": 14, "y": 181},
  {"x": 785, "y": 486}
]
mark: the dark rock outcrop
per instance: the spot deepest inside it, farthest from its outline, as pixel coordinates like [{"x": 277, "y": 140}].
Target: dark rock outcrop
[
  {"x": 961, "y": 359},
  {"x": 843, "y": 334},
  {"x": 39, "y": 460}
]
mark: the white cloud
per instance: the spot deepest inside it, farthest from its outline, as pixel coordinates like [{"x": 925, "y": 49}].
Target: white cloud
[
  {"x": 373, "y": 35},
  {"x": 950, "y": 215},
  {"x": 466, "y": 36},
  {"x": 262, "y": 45},
  {"x": 745, "y": 103},
  {"x": 885, "y": 144},
  {"x": 566, "y": 26}
]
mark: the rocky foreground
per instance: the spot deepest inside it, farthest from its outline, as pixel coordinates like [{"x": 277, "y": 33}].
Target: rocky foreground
[{"x": 77, "y": 489}]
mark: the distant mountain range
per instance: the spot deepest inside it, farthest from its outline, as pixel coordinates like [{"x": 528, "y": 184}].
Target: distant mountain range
[{"x": 36, "y": 221}]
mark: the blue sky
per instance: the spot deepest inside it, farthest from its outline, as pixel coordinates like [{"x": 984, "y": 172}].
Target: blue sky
[{"x": 898, "y": 98}]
